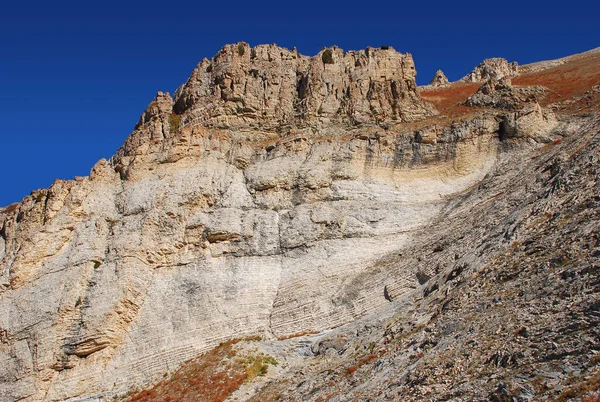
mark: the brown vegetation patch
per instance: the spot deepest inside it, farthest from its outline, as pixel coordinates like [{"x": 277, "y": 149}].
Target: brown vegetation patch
[
  {"x": 296, "y": 335},
  {"x": 11, "y": 208},
  {"x": 448, "y": 100},
  {"x": 581, "y": 387},
  {"x": 570, "y": 80},
  {"x": 214, "y": 376}
]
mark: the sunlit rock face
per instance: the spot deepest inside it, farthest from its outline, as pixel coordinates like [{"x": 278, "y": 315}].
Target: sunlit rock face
[{"x": 261, "y": 199}]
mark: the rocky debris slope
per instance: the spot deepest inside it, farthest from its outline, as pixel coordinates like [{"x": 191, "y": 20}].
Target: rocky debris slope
[
  {"x": 512, "y": 313},
  {"x": 494, "y": 68}
]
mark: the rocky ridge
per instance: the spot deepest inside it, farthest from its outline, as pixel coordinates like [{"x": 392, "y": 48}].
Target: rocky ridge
[
  {"x": 273, "y": 195},
  {"x": 547, "y": 64},
  {"x": 269, "y": 86}
]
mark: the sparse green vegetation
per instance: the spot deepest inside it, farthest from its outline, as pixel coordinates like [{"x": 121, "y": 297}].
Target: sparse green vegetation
[
  {"x": 241, "y": 49},
  {"x": 214, "y": 376},
  {"x": 174, "y": 122},
  {"x": 327, "y": 56}
]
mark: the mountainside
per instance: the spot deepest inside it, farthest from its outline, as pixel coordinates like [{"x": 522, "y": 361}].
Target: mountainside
[{"x": 353, "y": 237}]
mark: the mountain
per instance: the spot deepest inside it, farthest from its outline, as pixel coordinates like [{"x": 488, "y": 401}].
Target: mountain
[{"x": 320, "y": 228}]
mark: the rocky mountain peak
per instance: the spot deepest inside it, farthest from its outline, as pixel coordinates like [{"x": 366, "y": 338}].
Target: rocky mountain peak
[
  {"x": 439, "y": 79},
  {"x": 496, "y": 68},
  {"x": 161, "y": 104},
  {"x": 243, "y": 86}
]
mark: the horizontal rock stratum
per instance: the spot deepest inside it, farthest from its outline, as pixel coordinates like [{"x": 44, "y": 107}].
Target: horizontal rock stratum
[{"x": 276, "y": 195}]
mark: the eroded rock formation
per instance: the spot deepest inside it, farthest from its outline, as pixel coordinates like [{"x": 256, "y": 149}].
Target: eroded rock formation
[
  {"x": 495, "y": 68},
  {"x": 269, "y": 86},
  {"x": 526, "y": 118},
  {"x": 274, "y": 194},
  {"x": 439, "y": 79}
]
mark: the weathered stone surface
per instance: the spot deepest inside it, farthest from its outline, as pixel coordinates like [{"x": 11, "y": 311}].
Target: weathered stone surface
[
  {"x": 271, "y": 86},
  {"x": 495, "y": 93},
  {"x": 439, "y": 79},
  {"x": 122, "y": 276},
  {"x": 494, "y": 68},
  {"x": 274, "y": 194},
  {"x": 512, "y": 313},
  {"x": 527, "y": 117}
]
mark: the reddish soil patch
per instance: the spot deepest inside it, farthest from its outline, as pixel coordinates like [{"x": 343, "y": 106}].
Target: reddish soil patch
[
  {"x": 214, "y": 376},
  {"x": 448, "y": 100},
  {"x": 11, "y": 208},
  {"x": 568, "y": 81},
  {"x": 569, "y": 84}
]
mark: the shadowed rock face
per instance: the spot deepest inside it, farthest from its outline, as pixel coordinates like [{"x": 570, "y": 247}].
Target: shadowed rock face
[{"x": 265, "y": 198}]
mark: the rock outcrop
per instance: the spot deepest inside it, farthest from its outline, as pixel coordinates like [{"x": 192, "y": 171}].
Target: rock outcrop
[
  {"x": 527, "y": 117},
  {"x": 439, "y": 79},
  {"x": 269, "y": 86},
  {"x": 495, "y": 93},
  {"x": 273, "y": 195},
  {"x": 494, "y": 68}
]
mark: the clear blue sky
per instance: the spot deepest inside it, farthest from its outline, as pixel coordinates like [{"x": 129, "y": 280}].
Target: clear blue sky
[{"x": 75, "y": 77}]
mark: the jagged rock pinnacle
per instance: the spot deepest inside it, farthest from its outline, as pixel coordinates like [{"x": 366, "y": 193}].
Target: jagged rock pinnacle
[{"x": 439, "y": 79}]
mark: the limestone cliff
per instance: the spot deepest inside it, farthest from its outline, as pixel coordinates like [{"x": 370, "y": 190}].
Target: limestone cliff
[{"x": 273, "y": 195}]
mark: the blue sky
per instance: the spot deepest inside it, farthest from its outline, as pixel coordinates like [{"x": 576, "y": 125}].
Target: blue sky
[{"x": 75, "y": 76}]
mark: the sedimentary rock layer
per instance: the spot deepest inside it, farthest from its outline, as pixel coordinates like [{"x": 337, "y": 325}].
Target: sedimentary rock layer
[{"x": 261, "y": 199}]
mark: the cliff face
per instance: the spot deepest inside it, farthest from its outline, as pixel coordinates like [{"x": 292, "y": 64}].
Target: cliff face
[
  {"x": 269, "y": 86},
  {"x": 111, "y": 281},
  {"x": 267, "y": 197}
]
